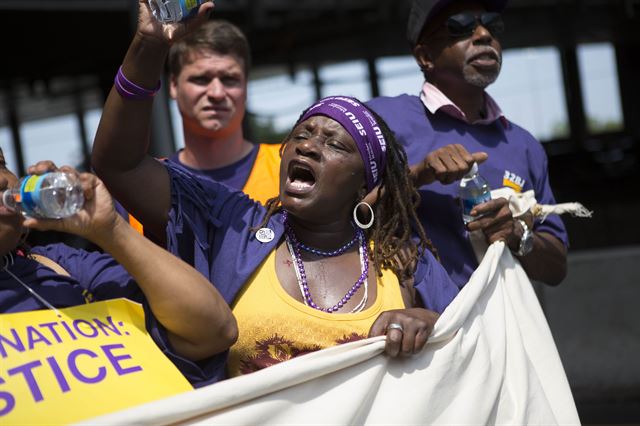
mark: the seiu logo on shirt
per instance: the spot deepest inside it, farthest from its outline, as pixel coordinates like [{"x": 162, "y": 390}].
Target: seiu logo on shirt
[{"x": 513, "y": 181}]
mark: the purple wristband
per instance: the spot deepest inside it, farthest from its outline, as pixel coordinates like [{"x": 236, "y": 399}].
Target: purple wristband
[{"x": 130, "y": 90}]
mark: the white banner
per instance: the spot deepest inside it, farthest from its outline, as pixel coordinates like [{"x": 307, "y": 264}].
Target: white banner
[{"x": 490, "y": 360}]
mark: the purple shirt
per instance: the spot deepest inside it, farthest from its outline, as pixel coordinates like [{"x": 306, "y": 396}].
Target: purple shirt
[
  {"x": 516, "y": 159},
  {"x": 93, "y": 276},
  {"x": 234, "y": 175}
]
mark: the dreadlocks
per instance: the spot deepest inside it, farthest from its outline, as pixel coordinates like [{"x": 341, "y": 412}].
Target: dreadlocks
[{"x": 395, "y": 211}]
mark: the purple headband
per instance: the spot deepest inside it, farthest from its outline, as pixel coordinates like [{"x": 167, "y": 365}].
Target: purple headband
[{"x": 358, "y": 121}]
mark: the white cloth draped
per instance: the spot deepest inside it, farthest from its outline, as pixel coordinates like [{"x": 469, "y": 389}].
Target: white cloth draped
[{"x": 491, "y": 359}]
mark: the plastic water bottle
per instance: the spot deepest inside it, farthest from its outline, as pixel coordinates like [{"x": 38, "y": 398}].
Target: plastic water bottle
[
  {"x": 169, "y": 11},
  {"x": 474, "y": 190},
  {"x": 52, "y": 196}
]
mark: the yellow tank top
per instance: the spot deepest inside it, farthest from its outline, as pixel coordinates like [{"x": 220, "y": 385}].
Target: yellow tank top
[
  {"x": 262, "y": 184},
  {"x": 274, "y": 327}
]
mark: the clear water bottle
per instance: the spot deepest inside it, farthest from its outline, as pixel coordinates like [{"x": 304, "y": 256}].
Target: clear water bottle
[
  {"x": 53, "y": 196},
  {"x": 168, "y": 11},
  {"x": 474, "y": 190}
]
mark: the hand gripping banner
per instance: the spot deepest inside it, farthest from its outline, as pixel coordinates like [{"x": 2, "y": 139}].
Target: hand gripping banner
[{"x": 491, "y": 359}]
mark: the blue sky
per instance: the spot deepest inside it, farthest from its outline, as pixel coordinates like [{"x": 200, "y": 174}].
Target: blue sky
[{"x": 529, "y": 91}]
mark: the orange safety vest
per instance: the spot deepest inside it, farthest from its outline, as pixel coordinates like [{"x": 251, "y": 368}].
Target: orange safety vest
[
  {"x": 263, "y": 182},
  {"x": 264, "y": 179}
]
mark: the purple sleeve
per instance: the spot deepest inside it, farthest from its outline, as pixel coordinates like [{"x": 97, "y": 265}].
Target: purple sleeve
[
  {"x": 432, "y": 284},
  {"x": 121, "y": 210},
  {"x": 96, "y": 272},
  {"x": 544, "y": 195},
  {"x": 210, "y": 227},
  {"x": 200, "y": 373}
]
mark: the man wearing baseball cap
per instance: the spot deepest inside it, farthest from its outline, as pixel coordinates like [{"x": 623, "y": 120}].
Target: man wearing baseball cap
[{"x": 454, "y": 123}]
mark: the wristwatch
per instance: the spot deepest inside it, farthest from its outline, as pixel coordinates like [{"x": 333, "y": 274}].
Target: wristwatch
[{"x": 526, "y": 241}]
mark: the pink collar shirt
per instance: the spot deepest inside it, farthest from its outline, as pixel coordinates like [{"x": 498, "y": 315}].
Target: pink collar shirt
[{"x": 434, "y": 100}]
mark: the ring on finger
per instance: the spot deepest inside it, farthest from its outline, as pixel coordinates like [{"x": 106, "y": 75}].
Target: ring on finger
[{"x": 395, "y": 326}]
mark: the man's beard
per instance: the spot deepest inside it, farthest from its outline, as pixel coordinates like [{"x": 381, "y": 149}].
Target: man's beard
[{"x": 482, "y": 78}]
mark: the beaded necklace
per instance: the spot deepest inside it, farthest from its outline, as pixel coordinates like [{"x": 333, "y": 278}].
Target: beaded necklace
[
  {"x": 332, "y": 253},
  {"x": 294, "y": 249}
]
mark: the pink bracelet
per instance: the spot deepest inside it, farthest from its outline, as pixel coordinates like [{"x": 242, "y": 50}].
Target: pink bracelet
[{"x": 130, "y": 90}]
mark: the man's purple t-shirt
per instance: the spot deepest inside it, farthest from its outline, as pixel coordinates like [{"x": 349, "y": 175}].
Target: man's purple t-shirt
[
  {"x": 234, "y": 175},
  {"x": 515, "y": 157}
]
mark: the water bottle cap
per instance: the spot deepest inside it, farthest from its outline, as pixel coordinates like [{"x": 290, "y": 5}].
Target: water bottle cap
[{"x": 474, "y": 170}]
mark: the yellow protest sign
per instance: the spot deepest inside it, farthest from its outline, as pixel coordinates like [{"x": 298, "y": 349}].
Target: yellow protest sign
[{"x": 89, "y": 360}]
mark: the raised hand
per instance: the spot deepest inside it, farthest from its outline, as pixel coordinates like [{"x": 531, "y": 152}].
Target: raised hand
[{"x": 149, "y": 26}]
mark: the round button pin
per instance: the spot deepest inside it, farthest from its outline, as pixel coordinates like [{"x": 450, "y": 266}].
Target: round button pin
[{"x": 265, "y": 235}]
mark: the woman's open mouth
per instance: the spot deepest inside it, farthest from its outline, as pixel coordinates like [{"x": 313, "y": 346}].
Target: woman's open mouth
[{"x": 300, "y": 178}]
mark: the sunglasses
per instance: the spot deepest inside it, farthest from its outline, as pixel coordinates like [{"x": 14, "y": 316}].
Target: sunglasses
[{"x": 464, "y": 24}]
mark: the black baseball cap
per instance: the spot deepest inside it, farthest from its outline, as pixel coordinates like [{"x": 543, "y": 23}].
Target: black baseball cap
[{"x": 424, "y": 10}]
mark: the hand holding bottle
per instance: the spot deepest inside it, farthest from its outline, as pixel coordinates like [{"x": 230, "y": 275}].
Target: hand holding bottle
[
  {"x": 474, "y": 190},
  {"x": 495, "y": 220},
  {"x": 491, "y": 216},
  {"x": 52, "y": 195},
  {"x": 97, "y": 218},
  {"x": 169, "y": 31},
  {"x": 169, "y": 11}
]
